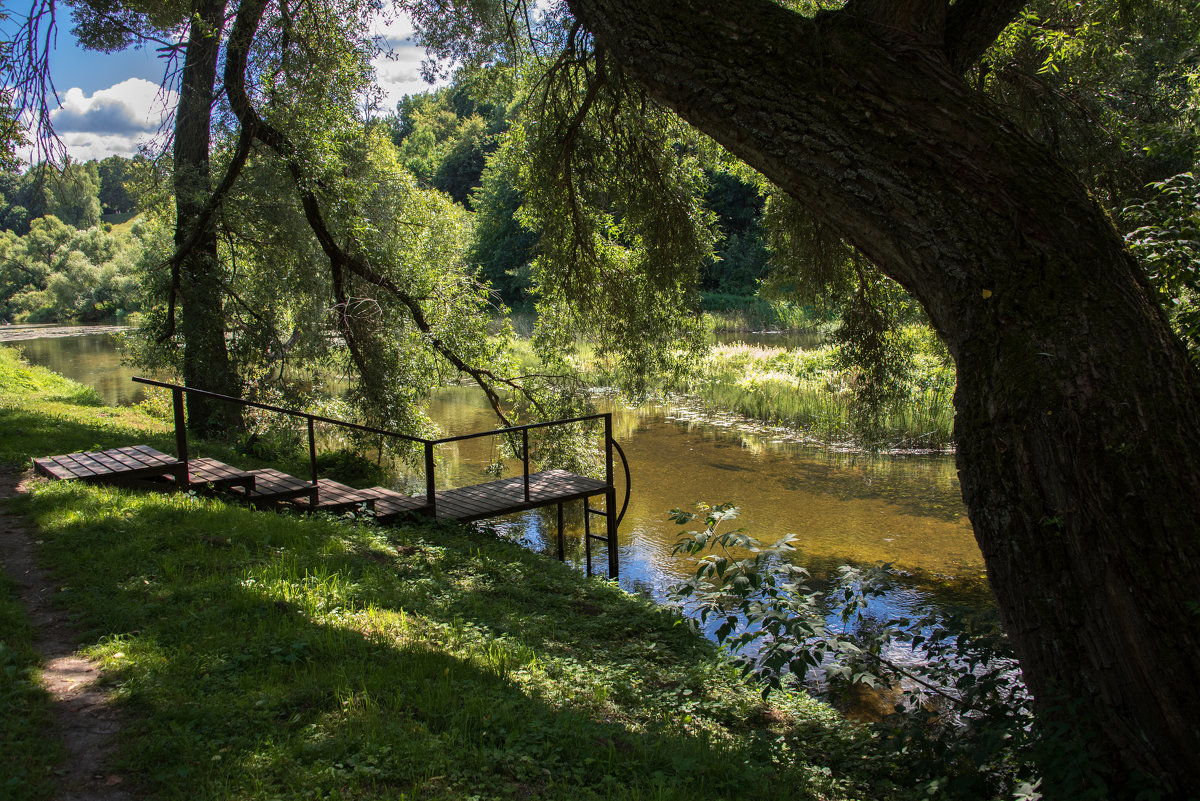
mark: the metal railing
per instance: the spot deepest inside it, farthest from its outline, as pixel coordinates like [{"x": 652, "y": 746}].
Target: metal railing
[{"x": 177, "y": 399}]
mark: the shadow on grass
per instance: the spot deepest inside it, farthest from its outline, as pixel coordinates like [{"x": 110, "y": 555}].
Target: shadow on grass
[
  {"x": 268, "y": 656},
  {"x": 63, "y": 428}
]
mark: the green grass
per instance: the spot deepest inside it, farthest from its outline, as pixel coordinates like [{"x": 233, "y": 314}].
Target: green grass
[
  {"x": 802, "y": 388},
  {"x": 265, "y": 656},
  {"x": 805, "y": 390}
]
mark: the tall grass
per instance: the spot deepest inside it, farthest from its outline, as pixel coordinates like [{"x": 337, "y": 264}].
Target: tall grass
[
  {"x": 734, "y": 313},
  {"x": 806, "y": 390}
]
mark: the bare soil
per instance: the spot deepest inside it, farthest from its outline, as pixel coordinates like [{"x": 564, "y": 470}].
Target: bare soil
[{"x": 86, "y": 721}]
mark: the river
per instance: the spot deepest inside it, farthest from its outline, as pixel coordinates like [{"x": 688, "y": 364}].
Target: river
[{"x": 841, "y": 507}]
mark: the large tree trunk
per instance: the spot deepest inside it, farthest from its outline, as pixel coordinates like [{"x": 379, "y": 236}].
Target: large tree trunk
[
  {"x": 1078, "y": 413},
  {"x": 206, "y": 362}
]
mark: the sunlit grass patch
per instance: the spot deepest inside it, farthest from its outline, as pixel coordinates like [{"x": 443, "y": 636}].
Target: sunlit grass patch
[
  {"x": 21, "y": 381},
  {"x": 803, "y": 388},
  {"x": 265, "y": 655}
]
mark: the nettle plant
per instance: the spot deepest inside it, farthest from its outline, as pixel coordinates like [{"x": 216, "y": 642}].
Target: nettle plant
[{"x": 962, "y": 712}]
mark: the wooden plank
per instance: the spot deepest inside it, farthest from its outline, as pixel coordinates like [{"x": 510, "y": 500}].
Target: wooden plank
[
  {"x": 272, "y": 486},
  {"x": 115, "y": 466},
  {"x": 390, "y": 504},
  {"x": 507, "y": 495},
  {"x": 333, "y": 496},
  {"x": 210, "y": 473}
]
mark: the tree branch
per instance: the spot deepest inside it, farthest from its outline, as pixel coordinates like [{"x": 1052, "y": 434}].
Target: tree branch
[
  {"x": 973, "y": 25},
  {"x": 341, "y": 260},
  {"x": 25, "y": 72},
  {"x": 923, "y": 18}
]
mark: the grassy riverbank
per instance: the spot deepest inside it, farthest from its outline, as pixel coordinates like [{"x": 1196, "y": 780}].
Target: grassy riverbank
[
  {"x": 806, "y": 389},
  {"x": 271, "y": 656}
]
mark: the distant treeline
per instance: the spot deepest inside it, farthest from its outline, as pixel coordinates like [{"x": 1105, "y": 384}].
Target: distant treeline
[
  {"x": 81, "y": 194},
  {"x": 447, "y": 138},
  {"x": 61, "y": 258}
]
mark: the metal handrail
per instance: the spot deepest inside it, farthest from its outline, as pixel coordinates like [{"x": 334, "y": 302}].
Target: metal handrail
[
  {"x": 315, "y": 417},
  {"x": 347, "y": 424},
  {"x": 628, "y": 482},
  {"x": 178, "y": 390},
  {"x": 526, "y": 427}
]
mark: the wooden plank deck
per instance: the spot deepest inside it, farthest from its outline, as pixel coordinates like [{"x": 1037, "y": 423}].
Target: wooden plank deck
[
  {"x": 335, "y": 497},
  {"x": 390, "y": 504},
  {"x": 115, "y": 466},
  {"x": 141, "y": 465},
  {"x": 207, "y": 472},
  {"x": 508, "y": 495},
  {"x": 272, "y": 486}
]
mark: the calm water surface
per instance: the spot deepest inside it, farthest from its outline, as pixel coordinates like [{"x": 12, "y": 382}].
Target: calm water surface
[{"x": 842, "y": 508}]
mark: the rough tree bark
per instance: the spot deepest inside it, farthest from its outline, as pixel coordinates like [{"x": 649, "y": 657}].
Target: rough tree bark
[
  {"x": 1078, "y": 413},
  {"x": 206, "y": 362}
]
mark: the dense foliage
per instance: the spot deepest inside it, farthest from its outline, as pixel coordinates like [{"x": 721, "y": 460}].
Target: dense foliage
[{"x": 58, "y": 273}]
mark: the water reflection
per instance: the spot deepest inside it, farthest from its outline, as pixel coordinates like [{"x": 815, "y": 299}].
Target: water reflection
[{"x": 92, "y": 359}]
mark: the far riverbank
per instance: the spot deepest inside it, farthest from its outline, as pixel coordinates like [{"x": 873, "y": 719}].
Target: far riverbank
[{"x": 19, "y": 333}]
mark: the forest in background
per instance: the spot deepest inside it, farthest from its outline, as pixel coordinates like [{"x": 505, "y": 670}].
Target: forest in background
[{"x": 444, "y": 139}]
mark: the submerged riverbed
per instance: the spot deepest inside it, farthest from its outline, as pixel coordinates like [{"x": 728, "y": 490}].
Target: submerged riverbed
[{"x": 842, "y": 507}]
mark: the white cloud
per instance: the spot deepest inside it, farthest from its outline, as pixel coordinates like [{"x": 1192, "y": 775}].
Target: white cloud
[
  {"x": 118, "y": 119},
  {"x": 398, "y": 69},
  {"x": 111, "y": 121},
  {"x": 83, "y": 146}
]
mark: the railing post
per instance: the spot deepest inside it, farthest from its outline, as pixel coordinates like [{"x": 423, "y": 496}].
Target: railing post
[
  {"x": 429, "y": 482},
  {"x": 610, "y": 499},
  {"x": 312, "y": 450},
  {"x": 587, "y": 537},
  {"x": 181, "y": 447},
  {"x": 610, "y": 522},
  {"x": 525, "y": 459},
  {"x": 562, "y": 540},
  {"x": 608, "y": 448}
]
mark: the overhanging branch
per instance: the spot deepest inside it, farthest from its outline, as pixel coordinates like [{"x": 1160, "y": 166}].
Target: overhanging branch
[
  {"x": 973, "y": 25},
  {"x": 343, "y": 261}
]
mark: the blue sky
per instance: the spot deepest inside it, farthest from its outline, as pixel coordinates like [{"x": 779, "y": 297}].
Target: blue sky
[
  {"x": 72, "y": 66},
  {"x": 112, "y": 103}
]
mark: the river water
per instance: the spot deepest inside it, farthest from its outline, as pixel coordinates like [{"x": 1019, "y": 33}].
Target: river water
[{"x": 841, "y": 507}]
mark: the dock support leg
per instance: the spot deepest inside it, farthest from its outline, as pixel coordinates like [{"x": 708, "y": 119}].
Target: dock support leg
[
  {"x": 610, "y": 522},
  {"x": 562, "y": 539},
  {"x": 181, "y": 443},
  {"x": 587, "y": 536}
]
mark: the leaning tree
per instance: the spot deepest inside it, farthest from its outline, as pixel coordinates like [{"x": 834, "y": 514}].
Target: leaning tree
[{"x": 1077, "y": 408}]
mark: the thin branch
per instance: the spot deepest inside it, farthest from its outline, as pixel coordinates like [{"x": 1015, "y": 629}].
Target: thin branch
[
  {"x": 26, "y": 74},
  {"x": 341, "y": 260}
]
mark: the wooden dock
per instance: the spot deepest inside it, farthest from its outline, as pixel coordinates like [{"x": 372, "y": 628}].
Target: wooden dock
[{"x": 144, "y": 467}]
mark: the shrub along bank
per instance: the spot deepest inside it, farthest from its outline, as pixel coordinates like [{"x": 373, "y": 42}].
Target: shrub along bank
[{"x": 272, "y": 656}]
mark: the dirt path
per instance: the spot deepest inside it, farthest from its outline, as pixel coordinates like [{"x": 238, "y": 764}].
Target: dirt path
[{"x": 87, "y": 723}]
